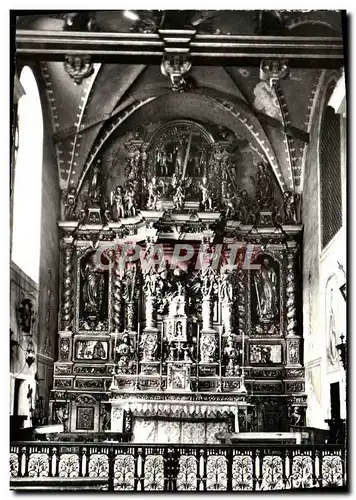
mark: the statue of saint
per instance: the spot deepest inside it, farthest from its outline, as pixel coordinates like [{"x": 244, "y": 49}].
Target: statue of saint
[
  {"x": 131, "y": 203},
  {"x": 207, "y": 201},
  {"x": 290, "y": 200},
  {"x": 231, "y": 354},
  {"x": 179, "y": 197},
  {"x": 266, "y": 291},
  {"x": 226, "y": 286},
  {"x": 93, "y": 289},
  {"x": 117, "y": 203},
  {"x": 264, "y": 186},
  {"x": 153, "y": 194},
  {"x": 179, "y": 157},
  {"x": 94, "y": 189}
]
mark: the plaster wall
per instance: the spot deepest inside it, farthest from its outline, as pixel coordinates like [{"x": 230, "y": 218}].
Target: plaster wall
[{"x": 321, "y": 274}]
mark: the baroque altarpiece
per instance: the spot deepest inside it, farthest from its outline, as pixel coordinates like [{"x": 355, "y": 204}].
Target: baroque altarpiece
[{"x": 180, "y": 297}]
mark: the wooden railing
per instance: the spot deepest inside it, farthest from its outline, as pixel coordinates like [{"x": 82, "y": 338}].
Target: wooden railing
[{"x": 134, "y": 467}]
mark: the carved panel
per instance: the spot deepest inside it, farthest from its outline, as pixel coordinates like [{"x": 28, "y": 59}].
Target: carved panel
[
  {"x": 89, "y": 384},
  {"x": 297, "y": 386},
  {"x": 62, "y": 369},
  {"x": 265, "y": 354},
  {"x": 64, "y": 349},
  {"x": 62, "y": 383},
  {"x": 91, "y": 349},
  {"x": 85, "y": 418}
]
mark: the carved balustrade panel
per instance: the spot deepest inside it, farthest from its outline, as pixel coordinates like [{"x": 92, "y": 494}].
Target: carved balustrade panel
[{"x": 153, "y": 467}]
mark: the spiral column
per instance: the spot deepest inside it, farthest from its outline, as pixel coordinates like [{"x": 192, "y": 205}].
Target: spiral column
[
  {"x": 117, "y": 296},
  {"x": 67, "y": 286},
  {"x": 291, "y": 293}
]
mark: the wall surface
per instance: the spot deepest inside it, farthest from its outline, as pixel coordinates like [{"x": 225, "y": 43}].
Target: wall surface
[
  {"x": 21, "y": 286},
  {"x": 321, "y": 281}
]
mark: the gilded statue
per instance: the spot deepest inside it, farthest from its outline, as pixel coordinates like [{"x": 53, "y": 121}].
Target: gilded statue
[
  {"x": 93, "y": 289},
  {"x": 266, "y": 291}
]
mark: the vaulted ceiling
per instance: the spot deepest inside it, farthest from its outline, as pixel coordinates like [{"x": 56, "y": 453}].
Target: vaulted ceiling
[{"x": 125, "y": 92}]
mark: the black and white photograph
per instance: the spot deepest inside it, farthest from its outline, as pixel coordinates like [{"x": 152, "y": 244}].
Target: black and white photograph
[{"x": 178, "y": 250}]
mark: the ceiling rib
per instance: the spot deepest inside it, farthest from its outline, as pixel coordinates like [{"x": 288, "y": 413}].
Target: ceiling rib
[{"x": 318, "y": 52}]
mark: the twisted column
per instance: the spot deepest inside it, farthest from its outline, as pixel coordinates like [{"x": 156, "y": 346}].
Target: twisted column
[
  {"x": 117, "y": 296},
  {"x": 241, "y": 293},
  {"x": 291, "y": 293},
  {"x": 130, "y": 315},
  {"x": 67, "y": 290}
]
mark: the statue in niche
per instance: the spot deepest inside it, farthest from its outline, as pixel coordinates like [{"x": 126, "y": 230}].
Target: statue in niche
[
  {"x": 93, "y": 289},
  {"x": 290, "y": 200},
  {"x": 207, "y": 201},
  {"x": 162, "y": 160},
  {"x": 179, "y": 151},
  {"x": 266, "y": 291},
  {"x": 117, "y": 203},
  {"x": 231, "y": 354},
  {"x": 99, "y": 351},
  {"x": 264, "y": 186},
  {"x": 94, "y": 189},
  {"x": 105, "y": 414}
]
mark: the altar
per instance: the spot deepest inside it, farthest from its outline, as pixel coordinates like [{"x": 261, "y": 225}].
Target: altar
[{"x": 180, "y": 305}]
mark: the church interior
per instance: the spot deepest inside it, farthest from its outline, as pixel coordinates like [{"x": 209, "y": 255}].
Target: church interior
[{"x": 178, "y": 250}]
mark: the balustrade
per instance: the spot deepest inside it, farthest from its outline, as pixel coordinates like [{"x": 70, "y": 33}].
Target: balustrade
[{"x": 135, "y": 467}]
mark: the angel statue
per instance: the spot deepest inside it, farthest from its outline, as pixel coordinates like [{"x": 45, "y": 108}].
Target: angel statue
[
  {"x": 117, "y": 203},
  {"x": 266, "y": 291},
  {"x": 206, "y": 201},
  {"x": 93, "y": 289}
]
